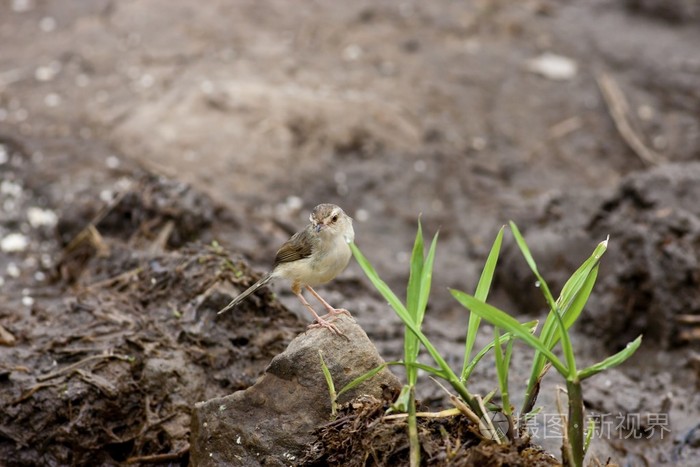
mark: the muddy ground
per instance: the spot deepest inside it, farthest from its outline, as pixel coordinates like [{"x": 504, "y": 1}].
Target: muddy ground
[{"x": 151, "y": 151}]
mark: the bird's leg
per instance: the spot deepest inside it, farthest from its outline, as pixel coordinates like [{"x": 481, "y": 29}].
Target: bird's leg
[
  {"x": 332, "y": 312},
  {"x": 319, "y": 321}
]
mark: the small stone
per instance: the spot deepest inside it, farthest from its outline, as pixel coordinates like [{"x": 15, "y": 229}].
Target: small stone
[
  {"x": 13, "y": 243},
  {"x": 10, "y": 188},
  {"x": 6, "y": 337},
  {"x": 352, "y": 52},
  {"x": 554, "y": 67},
  {"x": 13, "y": 270},
  {"x": 39, "y": 217},
  {"x": 20, "y": 6}
]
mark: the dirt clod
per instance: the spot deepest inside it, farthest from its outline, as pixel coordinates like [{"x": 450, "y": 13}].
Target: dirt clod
[
  {"x": 107, "y": 369},
  {"x": 359, "y": 436}
]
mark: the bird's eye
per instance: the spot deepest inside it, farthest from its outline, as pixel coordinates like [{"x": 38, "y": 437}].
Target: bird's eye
[{"x": 335, "y": 218}]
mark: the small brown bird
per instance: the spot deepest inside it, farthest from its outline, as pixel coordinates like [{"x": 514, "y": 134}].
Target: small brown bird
[{"x": 312, "y": 256}]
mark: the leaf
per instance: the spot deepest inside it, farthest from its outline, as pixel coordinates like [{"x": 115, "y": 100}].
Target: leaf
[
  {"x": 611, "y": 361},
  {"x": 571, "y": 301},
  {"x": 361, "y": 379},
  {"x": 413, "y": 291},
  {"x": 482, "y": 292},
  {"x": 426, "y": 279},
  {"x": 369, "y": 374},
  {"x": 417, "y": 296},
  {"x": 507, "y": 322},
  {"x": 502, "y": 362},
  {"x": 378, "y": 283},
  {"x": 401, "y": 311},
  {"x": 415, "y": 277},
  {"x": 525, "y": 250},
  {"x": 531, "y": 325},
  {"x": 329, "y": 382}
]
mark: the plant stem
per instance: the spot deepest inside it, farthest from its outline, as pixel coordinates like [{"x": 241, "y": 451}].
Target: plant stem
[
  {"x": 576, "y": 426},
  {"x": 414, "y": 442}
]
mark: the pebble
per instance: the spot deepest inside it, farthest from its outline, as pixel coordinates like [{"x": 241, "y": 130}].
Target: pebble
[
  {"x": 554, "y": 67},
  {"x": 41, "y": 217},
  {"x": 10, "y": 188},
  {"x": 13, "y": 270},
  {"x": 13, "y": 243}
]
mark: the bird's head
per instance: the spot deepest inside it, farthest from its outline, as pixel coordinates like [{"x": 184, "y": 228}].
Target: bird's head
[{"x": 331, "y": 220}]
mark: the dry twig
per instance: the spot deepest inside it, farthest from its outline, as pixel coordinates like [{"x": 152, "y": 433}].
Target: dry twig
[
  {"x": 619, "y": 111},
  {"x": 157, "y": 458}
]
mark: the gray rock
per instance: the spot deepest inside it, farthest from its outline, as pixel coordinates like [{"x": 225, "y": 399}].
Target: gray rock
[{"x": 271, "y": 422}]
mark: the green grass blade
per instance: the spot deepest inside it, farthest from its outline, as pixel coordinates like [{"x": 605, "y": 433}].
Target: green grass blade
[
  {"x": 361, "y": 379},
  {"x": 466, "y": 372},
  {"x": 401, "y": 311},
  {"x": 427, "y": 368},
  {"x": 379, "y": 284},
  {"x": 331, "y": 385},
  {"x": 590, "y": 431},
  {"x": 525, "y": 250},
  {"x": 611, "y": 361},
  {"x": 501, "y": 370},
  {"x": 506, "y": 393},
  {"x": 369, "y": 374},
  {"x": 566, "y": 346},
  {"x": 416, "y": 271},
  {"x": 411, "y": 344},
  {"x": 576, "y": 282},
  {"x": 531, "y": 325},
  {"x": 572, "y": 300},
  {"x": 423, "y": 293},
  {"x": 426, "y": 279},
  {"x": 574, "y": 295},
  {"x": 507, "y": 322},
  {"x": 482, "y": 292}
]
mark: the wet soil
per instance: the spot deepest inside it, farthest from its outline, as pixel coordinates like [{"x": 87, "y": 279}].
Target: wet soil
[
  {"x": 361, "y": 436},
  {"x": 151, "y": 151}
]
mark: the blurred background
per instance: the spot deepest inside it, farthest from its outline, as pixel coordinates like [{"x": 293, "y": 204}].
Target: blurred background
[{"x": 577, "y": 120}]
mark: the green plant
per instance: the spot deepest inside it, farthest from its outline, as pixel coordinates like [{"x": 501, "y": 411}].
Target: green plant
[
  {"x": 413, "y": 328},
  {"x": 412, "y": 313},
  {"x": 331, "y": 385},
  {"x": 563, "y": 313},
  {"x": 482, "y": 293}
]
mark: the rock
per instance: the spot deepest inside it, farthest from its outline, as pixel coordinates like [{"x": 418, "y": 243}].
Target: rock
[
  {"x": 6, "y": 337},
  {"x": 554, "y": 67},
  {"x": 271, "y": 422}
]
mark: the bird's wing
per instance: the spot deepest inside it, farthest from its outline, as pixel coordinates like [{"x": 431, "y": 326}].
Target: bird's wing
[{"x": 298, "y": 247}]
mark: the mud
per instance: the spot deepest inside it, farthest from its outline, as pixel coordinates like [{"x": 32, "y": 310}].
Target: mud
[
  {"x": 106, "y": 368},
  {"x": 168, "y": 126},
  {"x": 359, "y": 436}
]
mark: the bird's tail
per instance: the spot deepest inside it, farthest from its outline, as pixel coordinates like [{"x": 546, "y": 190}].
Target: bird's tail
[{"x": 247, "y": 292}]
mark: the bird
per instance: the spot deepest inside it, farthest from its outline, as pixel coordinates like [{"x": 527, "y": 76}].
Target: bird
[{"x": 311, "y": 257}]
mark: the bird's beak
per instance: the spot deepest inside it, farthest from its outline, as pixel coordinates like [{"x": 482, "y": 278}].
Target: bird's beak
[{"x": 318, "y": 227}]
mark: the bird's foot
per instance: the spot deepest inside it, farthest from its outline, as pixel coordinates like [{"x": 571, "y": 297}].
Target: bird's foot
[
  {"x": 333, "y": 313},
  {"x": 322, "y": 323}
]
